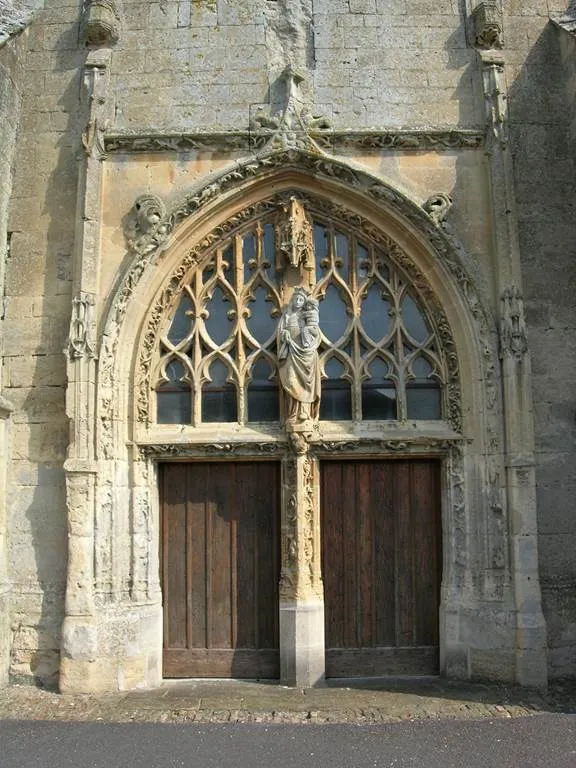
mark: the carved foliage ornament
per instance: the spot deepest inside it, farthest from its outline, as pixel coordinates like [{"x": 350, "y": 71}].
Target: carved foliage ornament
[
  {"x": 146, "y": 228},
  {"x": 292, "y": 129},
  {"x": 327, "y": 140}
]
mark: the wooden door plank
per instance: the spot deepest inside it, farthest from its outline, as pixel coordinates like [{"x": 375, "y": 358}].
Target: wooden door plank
[
  {"x": 382, "y": 662},
  {"x": 427, "y": 526},
  {"x": 348, "y": 548},
  {"x": 404, "y": 556},
  {"x": 220, "y": 568},
  {"x": 196, "y": 537},
  {"x": 366, "y": 512},
  {"x": 247, "y": 563},
  {"x": 266, "y": 494},
  {"x": 221, "y": 503},
  {"x": 174, "y": 560},
  {"x": 383, "y": 478},
  {"x": 381, "y": 566}
]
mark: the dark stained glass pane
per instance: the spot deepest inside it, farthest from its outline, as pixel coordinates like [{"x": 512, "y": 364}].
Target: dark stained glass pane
[
  {"x": 336, "y": 401},
  {"x": 269, "y": 244},
  {"x": 173, "y": 407},
  {"x": 342, "y": 253},
  {"x": 182, "y": 322},
  {"x": 260, "y": 323},
  {"x": 228, "y": 262},
  {"x": 249, "y": 255},
  {"x": 173, "y": 400},
  {"x": 375, "y": 313},
  {"x": 218, "y": 324},
  {"x": 421, "y": 368},
  {"x": 424, "y": 401},
  {"x": 382, "y": 266},
  {"x": 263, "y": 401},
  {"x": 362, "y": 262},
  {"x": 320, "y": 249},
  {"x": 413, "y": 320},
  {"x": 379, "y": 393},
  {"x": 333, "y": 317},
  {"x": 219, "y": 401}
]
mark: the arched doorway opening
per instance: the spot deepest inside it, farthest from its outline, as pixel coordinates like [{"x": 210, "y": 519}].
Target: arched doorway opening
[{"x": 333, "y": 530}]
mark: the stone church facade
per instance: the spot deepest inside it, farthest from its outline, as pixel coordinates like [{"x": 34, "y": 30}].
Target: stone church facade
[{"x": 205, "y": 475}]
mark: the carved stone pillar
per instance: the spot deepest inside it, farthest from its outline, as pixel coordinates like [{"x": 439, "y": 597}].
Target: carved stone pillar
[
  {"x": 531, "y": 643},
  {"x": 301, "y": 594},
  {"x": 79, "y": 631}
]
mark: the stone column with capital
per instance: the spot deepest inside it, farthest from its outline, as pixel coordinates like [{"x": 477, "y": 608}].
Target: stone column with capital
[
  {"x": 531, "y": 636},
  {"x": 79, "y": 649}
]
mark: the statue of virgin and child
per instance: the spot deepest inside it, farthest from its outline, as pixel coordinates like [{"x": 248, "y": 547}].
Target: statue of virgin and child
[{"x": 298, "y": 362}]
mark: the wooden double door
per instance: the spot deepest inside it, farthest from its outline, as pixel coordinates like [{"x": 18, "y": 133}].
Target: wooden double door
[{"x": 220, "y": 561}]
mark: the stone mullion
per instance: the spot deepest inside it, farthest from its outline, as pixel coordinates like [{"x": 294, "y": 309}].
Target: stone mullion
[
  {"x": 531, "y": 641},
  {"x": 301, "y": 594}
]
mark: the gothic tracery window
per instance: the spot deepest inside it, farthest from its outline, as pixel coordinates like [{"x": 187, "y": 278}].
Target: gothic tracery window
[{"x": 380, "y": 353}]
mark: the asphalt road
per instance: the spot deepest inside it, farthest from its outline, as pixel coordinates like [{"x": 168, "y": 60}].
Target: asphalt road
[{"x": 542, "y": 741}]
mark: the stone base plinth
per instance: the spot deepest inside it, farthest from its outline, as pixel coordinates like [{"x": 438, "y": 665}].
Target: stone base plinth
[
  {"x": 302, "y": 660},
  {"x": 112, "y": 653}
]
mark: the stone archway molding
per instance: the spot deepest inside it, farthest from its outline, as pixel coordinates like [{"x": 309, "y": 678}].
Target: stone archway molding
[{"x": 152, "y": 225}]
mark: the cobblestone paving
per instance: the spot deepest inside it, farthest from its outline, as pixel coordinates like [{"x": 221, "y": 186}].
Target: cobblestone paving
[{"x": 256, "y": 702}]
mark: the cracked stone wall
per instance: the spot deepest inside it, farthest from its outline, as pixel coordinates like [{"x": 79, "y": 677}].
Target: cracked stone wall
[
  {"x": 11, "y": 76},
  {"x": 185, "y": 65}
]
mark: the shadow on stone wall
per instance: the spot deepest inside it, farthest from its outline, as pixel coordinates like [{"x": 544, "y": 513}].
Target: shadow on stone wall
[
  {"x": 541, "y": 107},
  {"x": 52, "y": 124}
]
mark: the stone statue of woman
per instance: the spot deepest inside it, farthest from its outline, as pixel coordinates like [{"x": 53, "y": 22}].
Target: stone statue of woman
[{"x": 299, "y": 366}]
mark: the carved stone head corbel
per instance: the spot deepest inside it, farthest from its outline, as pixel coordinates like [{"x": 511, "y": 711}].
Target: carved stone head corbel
[
  {"x": 146, "y": 226},
  {"x": 437, "y": 207}
]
